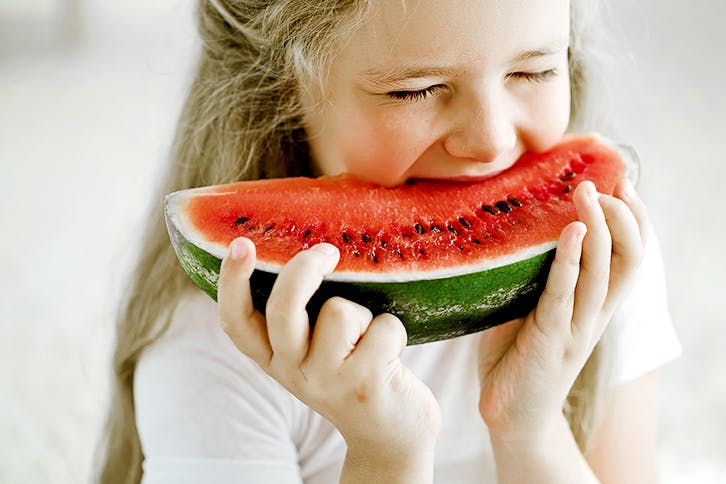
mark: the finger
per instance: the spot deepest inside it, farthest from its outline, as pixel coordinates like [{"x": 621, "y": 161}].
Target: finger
[
  {"x": 554, "y": 309},
  {"x": 243, "y": 324},
  {"x": 625, "y": 236},
  {"x": 380, "y": 347},
  {"x": 626, "y": 192},
  {"x": 340, "y": 325},
  {"x": 592, "y": 284},
  {"x": 627, "y": 248},
  {"x": 287, "y": 319}
]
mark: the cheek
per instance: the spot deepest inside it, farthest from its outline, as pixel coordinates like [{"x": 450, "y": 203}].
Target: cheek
[
  {"x": 382, "y": 148},
  {"x": 550, "y": 115}
]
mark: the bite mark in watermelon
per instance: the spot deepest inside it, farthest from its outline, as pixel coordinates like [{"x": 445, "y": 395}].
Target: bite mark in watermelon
[{"x": 447, "y": 258}]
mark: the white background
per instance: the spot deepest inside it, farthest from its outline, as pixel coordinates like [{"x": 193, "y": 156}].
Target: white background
[{"x": 85, "y": 126}]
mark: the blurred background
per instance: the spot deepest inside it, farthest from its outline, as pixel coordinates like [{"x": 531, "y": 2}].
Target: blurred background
[{"x": 89, "y": 94}]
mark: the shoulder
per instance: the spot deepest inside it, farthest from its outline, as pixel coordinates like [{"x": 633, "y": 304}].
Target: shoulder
[{"x": 195, "y": 394}]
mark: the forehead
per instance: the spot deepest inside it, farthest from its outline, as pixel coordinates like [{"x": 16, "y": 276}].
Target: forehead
[{"x": 454, "y": 31}]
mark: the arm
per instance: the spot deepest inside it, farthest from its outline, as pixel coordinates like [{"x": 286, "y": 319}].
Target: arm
[
  {"x": 528, "y": 366},
  {"x": 623, "y": 450},
  {"x": 624, "y": 446}
]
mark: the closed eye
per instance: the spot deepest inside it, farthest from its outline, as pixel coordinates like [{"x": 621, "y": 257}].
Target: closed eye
[
  {"x": 415, "y": 95},
  {"x": 534, "y": 76}
]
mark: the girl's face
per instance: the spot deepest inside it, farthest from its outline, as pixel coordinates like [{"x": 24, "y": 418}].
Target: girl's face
[{"x": 451, "y": 89}]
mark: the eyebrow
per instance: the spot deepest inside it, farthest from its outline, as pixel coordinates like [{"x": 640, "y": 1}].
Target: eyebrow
[
  {"x": 537, "y": 53},
  {"x": 386, "y": 76}
]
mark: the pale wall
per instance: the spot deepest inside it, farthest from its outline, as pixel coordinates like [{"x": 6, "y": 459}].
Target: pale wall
[{"x": 84, "y": 128}]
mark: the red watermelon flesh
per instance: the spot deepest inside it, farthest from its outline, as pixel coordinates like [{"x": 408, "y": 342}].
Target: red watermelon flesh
[{"x": 419, "y": 228}]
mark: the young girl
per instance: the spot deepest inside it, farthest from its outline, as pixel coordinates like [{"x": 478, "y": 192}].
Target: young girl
[{"x": 388, "y": 90}]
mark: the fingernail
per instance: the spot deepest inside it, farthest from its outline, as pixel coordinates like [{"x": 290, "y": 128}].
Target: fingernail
[
  {"x": 324, "y": 248},
  {"x": 238, "y": 249}
]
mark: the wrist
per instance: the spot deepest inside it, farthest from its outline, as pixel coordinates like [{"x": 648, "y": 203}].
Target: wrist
[
  {"x": 529, "y": 435},
  {"x": 369, "y": 463},
  {"x": 548, "y": 452}
]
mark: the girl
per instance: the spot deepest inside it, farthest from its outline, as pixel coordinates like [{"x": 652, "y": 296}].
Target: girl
[{"x": 388, "y": 90}]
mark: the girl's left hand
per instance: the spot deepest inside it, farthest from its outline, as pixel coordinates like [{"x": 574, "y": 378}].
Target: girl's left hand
[{"x": 527, "y": 366}]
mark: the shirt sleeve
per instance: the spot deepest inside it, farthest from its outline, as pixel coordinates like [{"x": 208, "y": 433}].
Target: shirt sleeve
[
  {"x": 206, "y": 413},
  {"x": 641, "y": 331}
]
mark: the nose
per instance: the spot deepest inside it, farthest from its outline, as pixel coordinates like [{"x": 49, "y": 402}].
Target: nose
[{"x": 482, "y": 128}]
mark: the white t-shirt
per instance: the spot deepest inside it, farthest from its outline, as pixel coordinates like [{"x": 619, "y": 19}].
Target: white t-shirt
[{"x": 207, "y": 414}]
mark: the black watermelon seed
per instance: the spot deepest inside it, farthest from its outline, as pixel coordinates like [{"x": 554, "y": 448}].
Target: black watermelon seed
[
  {"x": 490, "y": 209},
  {"x": 419, "y": 229},
  {"x": 374, "y": 258},
  {"x": 366, "y": 238},
  {"x": 464, "y": 222},
  {"x": 515, "y": 201},
  {"x": 306, "y": 234},
  {"x": 435, "y": 228},
  {"x": 461, "y": 248},
  {"x": 421, "y": 251},
  {"x": 567, "y": 188},
  {"x": 240, "y": 221},
  {"x": 476, "y": 241},
  {"x": 452, "y": 229},
  {"x": 398, "y": 253},
  {"x": 346, "y": 238},
  {"x": 504, "y": 206},
  {"x": 356, "y": 253},
  {"x": 384, "y": 244},
  {"x": 267, "y": 229}
]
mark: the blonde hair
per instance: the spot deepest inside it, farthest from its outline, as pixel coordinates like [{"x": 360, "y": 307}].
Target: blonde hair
[{"x": 243, "y": 120}]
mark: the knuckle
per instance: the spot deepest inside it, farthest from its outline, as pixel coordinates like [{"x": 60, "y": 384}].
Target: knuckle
[
  {"x": 570, "y": 261},
  {"x": 280, "y": 308},
  {"x": 336, "y": 308},
  {"x": 557, "y": 297},
  {"x": 615, "y": 204},
  {"x": 339, "y": 309},
  {"x": 391, "y": 324},
  {"x": 309, "y": 261},
  {"x": 388, "y": 321},
  {"x": 596, "y": 271}
]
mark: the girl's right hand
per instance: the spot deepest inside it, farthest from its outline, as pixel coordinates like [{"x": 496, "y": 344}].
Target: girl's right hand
[{"x": 347, "y": 370}]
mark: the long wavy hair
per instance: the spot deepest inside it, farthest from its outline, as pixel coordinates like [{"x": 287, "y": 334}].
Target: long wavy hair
[{"x": 242, "y": 120}]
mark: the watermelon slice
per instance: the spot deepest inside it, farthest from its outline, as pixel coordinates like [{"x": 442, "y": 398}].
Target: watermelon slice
[{"x": 447, "y": 258}]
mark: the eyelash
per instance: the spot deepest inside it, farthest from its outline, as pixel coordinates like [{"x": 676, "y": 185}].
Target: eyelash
[
  {"x": 534, "y": 76},
  {"x": 413, "y": 96},
  {"x": 421, "y": 94}
]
